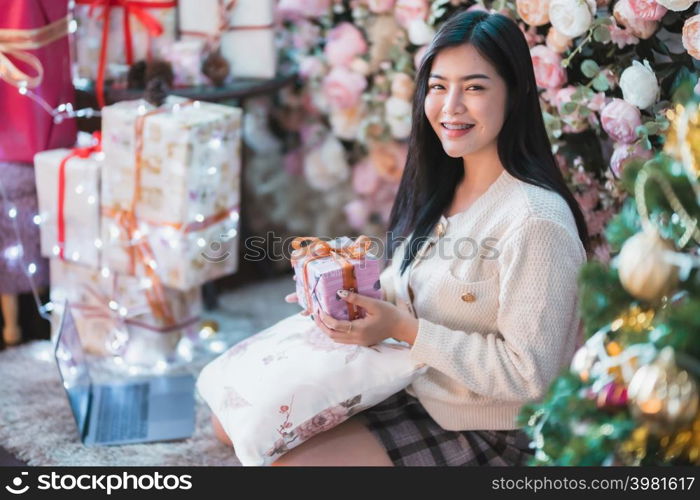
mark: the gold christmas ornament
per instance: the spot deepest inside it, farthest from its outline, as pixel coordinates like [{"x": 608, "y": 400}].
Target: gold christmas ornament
[
  {"x": 208, "y": 329},
  {"x": 683, "y": 446},
  {"x": 643, "y": 270},
  {"x": 683, "y": 137},
  {"x": 663, "y": 395},
  {"x": 633, "y": 450}
]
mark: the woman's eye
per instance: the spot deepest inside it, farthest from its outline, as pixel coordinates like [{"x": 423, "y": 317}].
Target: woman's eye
[
  {"x": 475, "y": 87},
  {"x": 436, "y": 86}
]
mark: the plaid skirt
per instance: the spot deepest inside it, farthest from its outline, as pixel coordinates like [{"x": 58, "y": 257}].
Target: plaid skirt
[{"x": 411, "y": 437}]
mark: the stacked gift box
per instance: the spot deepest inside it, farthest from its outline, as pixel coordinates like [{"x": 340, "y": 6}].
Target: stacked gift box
[
  {"x": 113, "y": 35},
  {"x": 135, "y": 223}
]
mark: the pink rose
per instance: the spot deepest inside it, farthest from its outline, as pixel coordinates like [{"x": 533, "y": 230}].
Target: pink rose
[
  {"x": 597, "y": 102},
  {"x": 343, "y": 44},
  {"x": 343, "y": 87},
  {"x": 624, "y": 152},
  {"x": 557, "y": 42},
  {"x": 620, "y": 119},
  {"x": 365, "y": 178},
  {"x": 648, "y": 10},
  {"x": 325, "y": 420},
  {"x": 311, "y": 67},
  {"x": 380, "y": 6},
  {"x": 549, "y": 72},
  {"x": 295, "y": 9},
  {"x": 357, "y": 214},
  {"x": 641, "y": 28},
  {"x": 410, "y": 10}
]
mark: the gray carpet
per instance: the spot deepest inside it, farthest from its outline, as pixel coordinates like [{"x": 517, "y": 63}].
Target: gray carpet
[{"x": 36, "y": 424}]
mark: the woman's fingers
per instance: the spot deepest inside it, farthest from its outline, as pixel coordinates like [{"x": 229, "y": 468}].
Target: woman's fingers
[{"x": 291, "y": 298}]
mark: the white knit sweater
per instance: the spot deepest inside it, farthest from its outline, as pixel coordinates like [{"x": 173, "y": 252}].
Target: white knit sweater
[{"x": 497, "y": 319}]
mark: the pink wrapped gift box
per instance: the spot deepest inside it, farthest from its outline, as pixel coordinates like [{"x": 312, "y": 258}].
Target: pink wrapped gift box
[
  {"x": 30, "y": 128},
  {"x": 320, "y": 277}
]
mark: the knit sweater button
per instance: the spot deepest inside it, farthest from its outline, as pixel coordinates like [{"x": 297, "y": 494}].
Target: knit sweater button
[
  {"x": 440, "y": 229},
  {"x": 468, "y": 297}
]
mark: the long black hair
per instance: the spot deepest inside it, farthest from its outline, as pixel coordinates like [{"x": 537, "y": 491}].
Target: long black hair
[{"x": 430, "y": 176}]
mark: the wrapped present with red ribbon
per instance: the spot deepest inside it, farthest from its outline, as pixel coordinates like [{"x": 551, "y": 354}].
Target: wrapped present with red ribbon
[
  {"x": 35, "y": 78},
  {"x": 113, "y": 34},
  {"x": 242, "y": 29},
  {"x": 113, "y": 317},
  {"x": 171, "y": 190},
  {"x": 322, "y": 268},
  {"x": 68, "y": 187}
]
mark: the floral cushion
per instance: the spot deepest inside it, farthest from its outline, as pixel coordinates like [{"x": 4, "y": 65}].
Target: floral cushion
[{"x": 282, "y": 386}]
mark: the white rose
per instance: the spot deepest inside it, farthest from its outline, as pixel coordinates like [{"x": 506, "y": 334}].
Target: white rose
[
  {"x": 639, "y": 85},
  {"x": 572, "y": 18},
  {"x": 346, "y": 122},
  {"x": 676, "y": 5},
  {"x": 397, "y": 113},
  {"x": 325, "y": 166},
  {"x": 419, "y": 32}
]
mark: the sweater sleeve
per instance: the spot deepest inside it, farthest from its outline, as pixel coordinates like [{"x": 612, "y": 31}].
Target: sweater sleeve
[{"x": 537, "y": 319}]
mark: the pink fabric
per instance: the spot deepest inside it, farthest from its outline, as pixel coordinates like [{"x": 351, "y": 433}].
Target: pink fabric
[{"x": 29, "y": 128}]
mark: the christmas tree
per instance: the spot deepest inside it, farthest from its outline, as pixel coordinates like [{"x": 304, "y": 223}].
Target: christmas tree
[{"x": 630, "y": 396}]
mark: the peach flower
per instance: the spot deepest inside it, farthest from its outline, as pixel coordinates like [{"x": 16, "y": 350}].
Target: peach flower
[
  {"x": 691, "y": 36},
  {"x": 402, "y": 86},
  {"x": 557, "y": 42},
  {"x": 549, "y": 72},
  {"x": 533, "y": 12},
  {"x": 389, "y": 159}
]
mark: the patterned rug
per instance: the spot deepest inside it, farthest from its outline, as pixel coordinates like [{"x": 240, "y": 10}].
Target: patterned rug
[{"x": 37, "y": 426}]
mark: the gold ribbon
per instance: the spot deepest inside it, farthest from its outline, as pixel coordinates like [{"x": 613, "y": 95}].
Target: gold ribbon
[
  {"x": 16, "y": 43},
  {"x": 309, "y": 248}
]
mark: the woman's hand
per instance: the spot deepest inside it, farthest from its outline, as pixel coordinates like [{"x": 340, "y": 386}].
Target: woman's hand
[{"x": 383, "y": 320}]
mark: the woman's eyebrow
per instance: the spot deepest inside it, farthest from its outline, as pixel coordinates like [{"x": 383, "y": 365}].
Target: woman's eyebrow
[{"x": 462, "y": 79}]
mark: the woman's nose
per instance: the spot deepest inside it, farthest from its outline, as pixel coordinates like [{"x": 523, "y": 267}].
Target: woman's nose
[{"x": 454, "y": 104}]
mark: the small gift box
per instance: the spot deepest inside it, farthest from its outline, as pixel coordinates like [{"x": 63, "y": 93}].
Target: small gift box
[
  {"x": 35, "y": 58},
  {"x": 322, "y": 268},
  {"x": 112, "y": 35},
  {"x": 68, "y": 186},
  {"x": 114, "y": 315},
  {"x": 243, "y": 29},
  {"x": 171, "y": 189}
]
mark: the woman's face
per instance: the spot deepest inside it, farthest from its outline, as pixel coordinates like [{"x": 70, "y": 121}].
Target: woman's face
[{"x": 465, "y": 102}]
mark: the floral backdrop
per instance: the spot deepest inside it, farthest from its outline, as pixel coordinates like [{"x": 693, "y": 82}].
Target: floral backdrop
[{"x": 604, "y": 69}]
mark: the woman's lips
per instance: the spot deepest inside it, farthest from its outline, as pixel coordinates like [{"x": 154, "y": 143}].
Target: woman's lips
[{"x": 454, "y": 133}]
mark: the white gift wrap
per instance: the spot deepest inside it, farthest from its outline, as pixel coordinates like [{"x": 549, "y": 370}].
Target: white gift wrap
[
  {"x": 187, "y": 206},
  {"x": 113, "y": 316},
  {"x": 88, "y": 38},
  {"x": 81, "y": 208},
  {"x": 247, "y": 37}
]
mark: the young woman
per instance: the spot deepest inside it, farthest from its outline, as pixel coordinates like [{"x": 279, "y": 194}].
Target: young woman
[{"x": 488, "y": 242}]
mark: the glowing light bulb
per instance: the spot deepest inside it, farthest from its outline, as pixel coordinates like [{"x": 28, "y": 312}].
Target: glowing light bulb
[
  {"x": 79, "y": 189},
  {"x": 113, "y": 305},
  {"x": 199, "y": 218},
  {"x": 12, "y": 213},
  {"x": 31, "y": 268},
  {"x": 212, "y": 170},
  {"x": 98, "y": 243},
  {"x": 56, "y": 250},
  {"x": 105, "y": 272},
  {"x": 91, "y": 199},
  {"x": 201, "y": 242},
  {"x": 36, "y": 219}
]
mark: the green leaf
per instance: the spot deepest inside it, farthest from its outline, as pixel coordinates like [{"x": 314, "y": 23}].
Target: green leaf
[
  {"x": 641, "y": 131},
  {"x": 652, "y": 128},
  {"x": 601, "y": 34},
  {"x": 569, "y": 108},
  {"x": 590, "y": 68},
  {"x": 600, "y": 83}
]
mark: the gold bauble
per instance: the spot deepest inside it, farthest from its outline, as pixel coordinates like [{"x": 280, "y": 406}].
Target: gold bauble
[
  {"x": 683, "y": 136},
  {"x": 643, "y": 270},
  {"x": 662, "y": 395}
]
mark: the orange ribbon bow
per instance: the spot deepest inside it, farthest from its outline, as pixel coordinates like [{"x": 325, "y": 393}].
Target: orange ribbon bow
[{"x": 309, "y": 248}]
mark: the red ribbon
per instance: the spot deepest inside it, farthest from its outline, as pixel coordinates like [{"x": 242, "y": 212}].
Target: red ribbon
[
  {"x": 138, "y": 9},
  {"x": 75, "y": 153}
]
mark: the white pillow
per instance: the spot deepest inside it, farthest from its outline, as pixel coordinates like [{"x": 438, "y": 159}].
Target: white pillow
[{"x": 280, "y": 387}]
